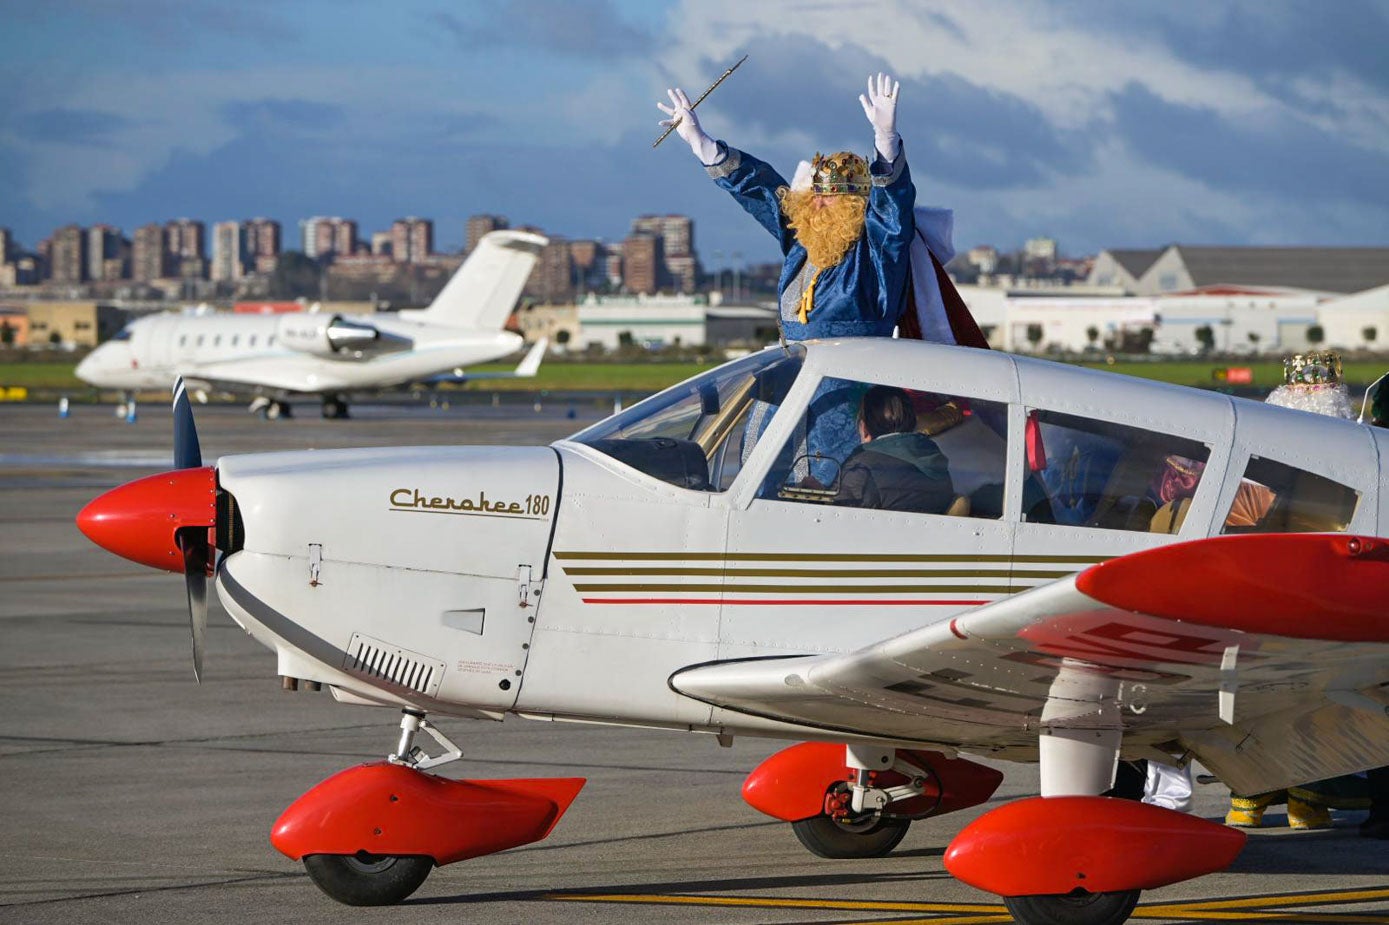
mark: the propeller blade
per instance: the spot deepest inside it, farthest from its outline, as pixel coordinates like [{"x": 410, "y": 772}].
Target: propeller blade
[
  {"x": 193, "y": 542},
  {"x": 187, "y": 453}
]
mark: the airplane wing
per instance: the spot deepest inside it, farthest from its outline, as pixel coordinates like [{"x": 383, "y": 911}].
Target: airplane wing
[
  {"x": 526, "y": 369},
  {"x": 1266, "y": 656}
]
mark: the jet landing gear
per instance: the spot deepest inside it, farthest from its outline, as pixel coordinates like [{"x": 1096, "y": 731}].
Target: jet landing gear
[
  {"x": 271, "y": 409},
  {"x": 334, "y": 407},
  {"x": 370, "y": 835}
]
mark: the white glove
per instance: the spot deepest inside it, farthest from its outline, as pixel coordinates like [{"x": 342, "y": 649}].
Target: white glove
[
  {"x": 687, "y": 126},
  {"x": 880, "y": 106}
]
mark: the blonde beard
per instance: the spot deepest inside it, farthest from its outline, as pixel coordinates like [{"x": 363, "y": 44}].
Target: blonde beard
[{"x": 826, "y": 231}]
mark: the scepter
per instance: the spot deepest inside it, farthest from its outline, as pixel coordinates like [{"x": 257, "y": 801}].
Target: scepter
[{"x": 721, "y": 79}]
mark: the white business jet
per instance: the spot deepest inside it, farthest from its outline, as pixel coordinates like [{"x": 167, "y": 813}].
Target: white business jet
[
  {"x": 327, "y": 354},
  {"x": 1033, "y": 562}
]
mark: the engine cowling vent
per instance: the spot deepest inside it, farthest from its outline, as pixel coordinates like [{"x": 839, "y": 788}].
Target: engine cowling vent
[{"x": 376, "y": 660}]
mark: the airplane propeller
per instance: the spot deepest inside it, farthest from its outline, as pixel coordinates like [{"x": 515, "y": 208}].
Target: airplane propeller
[{"x": 191, "y": 541}]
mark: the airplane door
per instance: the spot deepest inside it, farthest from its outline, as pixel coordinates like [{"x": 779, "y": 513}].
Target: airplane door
[
  {"x": 851, "y": 538},
  {"x": 158, "y": 353}
]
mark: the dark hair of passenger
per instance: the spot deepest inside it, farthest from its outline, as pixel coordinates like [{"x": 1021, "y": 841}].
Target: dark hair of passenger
[{"x": 887, "y": 410}]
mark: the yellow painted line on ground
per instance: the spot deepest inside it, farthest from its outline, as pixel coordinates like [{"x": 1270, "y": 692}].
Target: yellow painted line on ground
[
  {"x": 771, "y": 902},
  {"x": 1272, "y": 908}
]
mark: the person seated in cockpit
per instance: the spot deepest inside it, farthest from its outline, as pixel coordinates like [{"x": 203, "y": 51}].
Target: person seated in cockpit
[{"x": 896, "y": 468}]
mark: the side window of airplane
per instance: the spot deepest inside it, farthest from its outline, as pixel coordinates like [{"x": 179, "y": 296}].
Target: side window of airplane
[
  {"x": 270, "y": 341},
  {"x": 217, "y": 341},
  {"x": 235, "y": 339},
  {"x": 1088, "y": 473},
  {"x": 698, "y": 434},
  {"x": 183, "y": 340},
  {"x": 1274, "y": 497},
  {"x": 251, "y": 341},
  {"x": 201, "y": 337},
  {"x": 868, "y": 445}
]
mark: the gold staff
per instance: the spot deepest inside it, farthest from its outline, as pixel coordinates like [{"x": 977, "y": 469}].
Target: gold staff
[{"x": 676, "y": 123}]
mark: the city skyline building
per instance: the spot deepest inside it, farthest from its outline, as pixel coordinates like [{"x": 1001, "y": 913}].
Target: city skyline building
[
  {"x": 228, "y": 252},
  {"x": 149, "y": 253},
  {"x": 412, "y": 239},
  {"x": 642, "y": 258},
  {"x": 68, "y": 255}
]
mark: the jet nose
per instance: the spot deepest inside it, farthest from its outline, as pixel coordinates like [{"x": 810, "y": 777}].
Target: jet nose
[
  {"x": 86, "y": 367},
  {"x": 138, "y": 521}
]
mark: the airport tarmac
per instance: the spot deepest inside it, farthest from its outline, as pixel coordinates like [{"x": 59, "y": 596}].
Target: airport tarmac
[{"x": 132, "y": 794}]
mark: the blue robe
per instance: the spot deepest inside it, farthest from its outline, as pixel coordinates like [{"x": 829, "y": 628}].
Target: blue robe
[{"x": 864, "y": 294}]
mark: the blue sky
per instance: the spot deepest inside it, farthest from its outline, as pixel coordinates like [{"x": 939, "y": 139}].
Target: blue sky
[{"x": 1101, "y": 124}]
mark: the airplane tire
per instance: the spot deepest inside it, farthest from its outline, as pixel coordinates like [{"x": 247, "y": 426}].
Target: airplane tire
[
  {"x": 1073, "y": 909},
  {"x": 367, "y": 879},
  {"x": 823, "y": 837}
]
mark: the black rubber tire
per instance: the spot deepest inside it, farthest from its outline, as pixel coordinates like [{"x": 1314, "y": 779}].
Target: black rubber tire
[
  {"x": 367, "y": 879},
  {"x": 1073, "y": 909},
  {"x": 825, "y": 838}
]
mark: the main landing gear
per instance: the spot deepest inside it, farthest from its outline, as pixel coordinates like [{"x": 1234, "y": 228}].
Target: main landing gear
[
  {"x": 859, "y": 801},
  {"x": 1068, "y": 857},
  {"x": 334, "y": 407},
  {"x": 370, "y": 835}
]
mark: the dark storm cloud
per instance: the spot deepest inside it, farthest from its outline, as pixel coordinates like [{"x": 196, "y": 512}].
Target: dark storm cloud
[
  {"x": 954, "y": 130},
  {"x": 279, "y": 114},
  {"x": 579, "y": 28},
  {"x": 1282, "y": 155},
  {"x": 80, "y": 127}
]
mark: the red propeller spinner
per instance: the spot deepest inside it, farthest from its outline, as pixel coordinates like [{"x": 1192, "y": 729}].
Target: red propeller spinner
[{"x": 141, "y": 520}]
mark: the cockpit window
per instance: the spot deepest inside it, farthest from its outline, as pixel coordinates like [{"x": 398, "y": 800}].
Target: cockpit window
[
  {"x": 698, "y": 434},
  {"x": 123, "y": 334}
]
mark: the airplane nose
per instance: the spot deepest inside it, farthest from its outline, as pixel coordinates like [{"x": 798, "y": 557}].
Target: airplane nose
[{"x": 139, "y": 520}]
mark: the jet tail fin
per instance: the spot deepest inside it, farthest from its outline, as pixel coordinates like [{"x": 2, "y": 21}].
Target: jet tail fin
[{"x": 483, "y": 292}]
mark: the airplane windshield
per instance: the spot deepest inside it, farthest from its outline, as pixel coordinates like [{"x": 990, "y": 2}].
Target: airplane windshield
[
  {"x": 122, "y": 334},
  {"x": 698, "y": 434}
]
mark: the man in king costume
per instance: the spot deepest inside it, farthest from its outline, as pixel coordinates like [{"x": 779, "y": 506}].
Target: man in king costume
[{"x": 856, "y": 252}]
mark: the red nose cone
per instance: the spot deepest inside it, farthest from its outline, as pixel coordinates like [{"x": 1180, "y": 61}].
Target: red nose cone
[{"x": 138, "y": 519}]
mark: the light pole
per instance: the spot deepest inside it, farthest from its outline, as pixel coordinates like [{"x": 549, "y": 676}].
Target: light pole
[{"x": 737, "y": 259}]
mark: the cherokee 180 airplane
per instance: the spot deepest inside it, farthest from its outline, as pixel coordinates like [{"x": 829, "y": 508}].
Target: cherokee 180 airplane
[
  {"x": 326, "y": 354},
  {"x": 1119, "y": 568}
]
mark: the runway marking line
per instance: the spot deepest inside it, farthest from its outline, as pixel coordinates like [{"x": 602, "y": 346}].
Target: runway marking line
[{"x": 1271, "y": 908}]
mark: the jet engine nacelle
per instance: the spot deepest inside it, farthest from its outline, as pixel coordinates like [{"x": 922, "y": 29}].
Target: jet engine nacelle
[{"x": 335, "y": 336}]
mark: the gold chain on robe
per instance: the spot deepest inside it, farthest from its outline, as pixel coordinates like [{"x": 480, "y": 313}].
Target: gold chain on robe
[{"x": 807, "y": 299}]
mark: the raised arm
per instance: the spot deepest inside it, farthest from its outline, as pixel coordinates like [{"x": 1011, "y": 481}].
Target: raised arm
[{"x": 880, "y": 106}]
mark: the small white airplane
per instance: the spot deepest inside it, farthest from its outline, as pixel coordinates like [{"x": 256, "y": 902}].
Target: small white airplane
[
  {"x": 1083, "y": 567},
  {"x": 330, "y": 355}
]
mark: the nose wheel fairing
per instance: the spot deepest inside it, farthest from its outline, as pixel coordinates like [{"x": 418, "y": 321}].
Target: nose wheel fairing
[{"x": 389, "y": 810}]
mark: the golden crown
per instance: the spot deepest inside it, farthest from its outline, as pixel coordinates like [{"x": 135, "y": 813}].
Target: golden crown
[
  {"x": 840, "y": 174},
  {"x": 1318, "y": 367}
]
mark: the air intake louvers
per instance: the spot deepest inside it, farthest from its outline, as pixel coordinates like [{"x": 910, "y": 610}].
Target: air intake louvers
[{"x": 372, "y": 658}]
